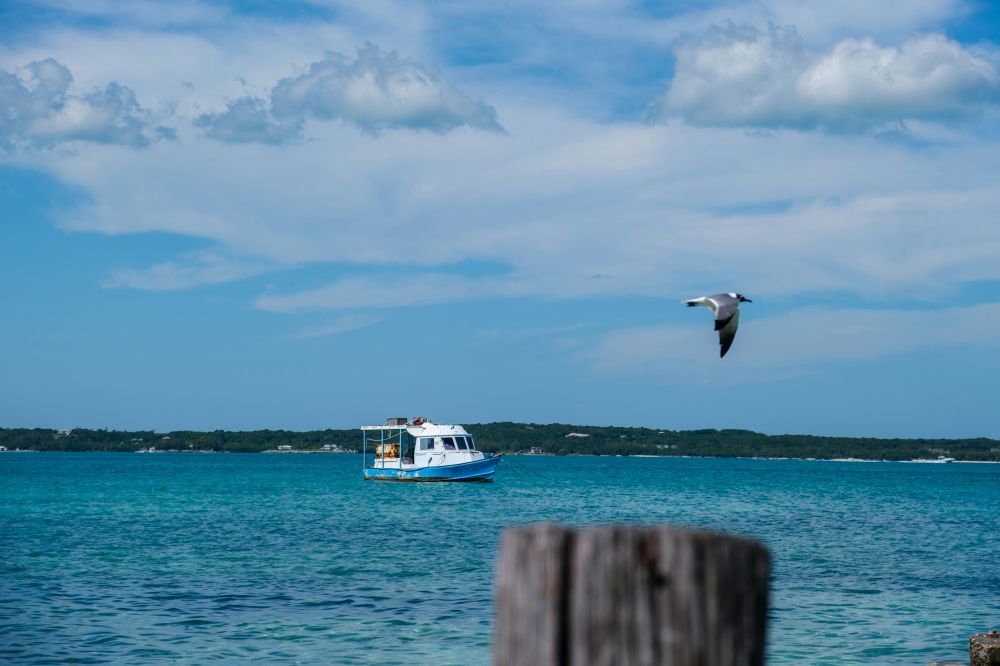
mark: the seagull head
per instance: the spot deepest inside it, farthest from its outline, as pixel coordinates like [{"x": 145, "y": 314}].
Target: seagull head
[{"x": 743, "y": 299}]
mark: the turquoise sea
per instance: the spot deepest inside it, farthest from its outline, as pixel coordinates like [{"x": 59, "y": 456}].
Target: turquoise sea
[{"x": 125, "y": 558}]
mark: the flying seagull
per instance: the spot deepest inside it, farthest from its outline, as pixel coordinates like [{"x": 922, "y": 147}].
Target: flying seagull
[{"x": 727, "y": 315}]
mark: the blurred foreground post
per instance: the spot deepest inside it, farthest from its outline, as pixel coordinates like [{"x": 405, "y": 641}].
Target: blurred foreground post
[
  {"x": 629, "y": 596},
  {"x": 984, "y": 649}
]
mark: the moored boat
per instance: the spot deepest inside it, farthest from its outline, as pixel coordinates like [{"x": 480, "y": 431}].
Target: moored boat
[
  {"x": 939, "y": 459},
  {"x": 420, "y": 450}
]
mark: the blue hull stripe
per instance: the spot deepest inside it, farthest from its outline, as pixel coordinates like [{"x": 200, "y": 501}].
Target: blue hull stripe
[{"x": 477, "y": 470}]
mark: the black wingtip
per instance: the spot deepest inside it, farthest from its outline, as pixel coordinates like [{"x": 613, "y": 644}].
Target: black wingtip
[
  {"x": 722, "y": 323},
  {"x": 724, "y": 346},
  {"x": 691, "y": 304}
]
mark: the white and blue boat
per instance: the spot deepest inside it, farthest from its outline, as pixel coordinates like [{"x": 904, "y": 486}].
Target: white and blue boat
[{"x": 423, "y": 451}]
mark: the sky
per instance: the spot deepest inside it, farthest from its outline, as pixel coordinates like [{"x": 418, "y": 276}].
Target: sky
[{"x": 317, "y": 214}]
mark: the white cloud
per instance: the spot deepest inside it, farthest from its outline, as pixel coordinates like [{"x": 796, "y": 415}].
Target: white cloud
[
  {"x": 40, "y": 112},
  {"x": 247, "y": 120},
  {"x": 741, "y": 76},
  {"x": 379, "y": 90},
  {"x": 376, "y": 91},
  {"x": 195, "y": 270},
  {"x": 666, "y": 210},
  {"x": 768, "y": 348},
  {"x": 660, "y": 210}
]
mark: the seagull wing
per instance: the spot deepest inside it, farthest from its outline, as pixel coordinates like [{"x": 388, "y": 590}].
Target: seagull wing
[
  {"x": 725, "y": 310},
  {"x": 707, "y": 301},
  {"x": 727, "y": 331}
]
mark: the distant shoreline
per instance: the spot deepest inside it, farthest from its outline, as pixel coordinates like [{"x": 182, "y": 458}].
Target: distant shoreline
[
  {"x": 545, "y": 439},
  {"x": 546, "y": 455},
  {"x": 855, "y": 460}
]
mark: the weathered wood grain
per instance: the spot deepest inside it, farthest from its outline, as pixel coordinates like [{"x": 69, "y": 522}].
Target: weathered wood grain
[
  {"x": 984, "y": 649},
  {"x": 530, "y": 596},
  {"x": 617, "y": 595}
]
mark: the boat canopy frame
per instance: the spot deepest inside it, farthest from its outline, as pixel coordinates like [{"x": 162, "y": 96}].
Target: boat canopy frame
[{"x": 396, "y": 437}]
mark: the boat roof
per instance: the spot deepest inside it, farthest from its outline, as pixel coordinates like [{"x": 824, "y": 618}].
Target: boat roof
[{"x": 425, "y": 429}]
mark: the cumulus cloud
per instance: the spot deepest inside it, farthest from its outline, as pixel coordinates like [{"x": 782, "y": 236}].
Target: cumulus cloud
[
  {"x": 376, "y": 91},
  {"x": 741, "y": 76},
  {"x": 40, "y": 111},
  {"x": 660, "y": 209},
  {"x": 247, "y": 120}
]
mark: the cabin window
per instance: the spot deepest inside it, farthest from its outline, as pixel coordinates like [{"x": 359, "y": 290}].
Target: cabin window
[
  {"x": 449, "y": 443},
  {"x": 462, "y": 445},
  {"x": 472, "y": 447},
  {"x": 425, "y": 443}
]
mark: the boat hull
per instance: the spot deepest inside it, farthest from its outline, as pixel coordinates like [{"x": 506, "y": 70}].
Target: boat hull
[{"x": 477, "y": 470}]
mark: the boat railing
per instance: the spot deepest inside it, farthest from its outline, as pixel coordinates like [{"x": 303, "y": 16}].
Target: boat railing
[{"x": 387, "y": 446}]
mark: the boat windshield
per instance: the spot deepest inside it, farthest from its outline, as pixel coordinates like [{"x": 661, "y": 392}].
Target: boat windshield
[{"x": 455, "y": 443}]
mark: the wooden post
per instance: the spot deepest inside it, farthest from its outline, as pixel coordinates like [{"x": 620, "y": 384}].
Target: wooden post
[
  {"x": 629, "y": 596},
  {"x": 984, "y": 649}
]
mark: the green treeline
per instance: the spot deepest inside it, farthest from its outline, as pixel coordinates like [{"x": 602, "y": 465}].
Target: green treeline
[
  {"x": 552, "y": 438},
  {"x": 255, "y": 441}
]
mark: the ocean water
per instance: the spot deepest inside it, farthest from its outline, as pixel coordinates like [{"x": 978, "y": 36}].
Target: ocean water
[{"x": 125, "y": 558}]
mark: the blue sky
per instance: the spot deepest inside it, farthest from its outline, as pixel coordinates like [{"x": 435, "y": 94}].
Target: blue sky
[{"x": 317, "y": 214}]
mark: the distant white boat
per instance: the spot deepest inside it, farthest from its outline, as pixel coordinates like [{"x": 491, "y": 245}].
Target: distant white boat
[
  {"x": 939, "y": 459},
  {"x": 424, "y": 451}
]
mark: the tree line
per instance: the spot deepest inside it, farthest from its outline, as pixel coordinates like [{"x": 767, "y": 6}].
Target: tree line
[{"x": 506, "y": 437}]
